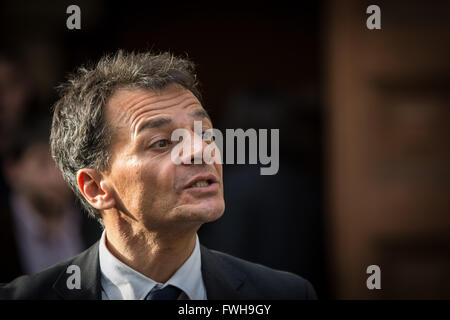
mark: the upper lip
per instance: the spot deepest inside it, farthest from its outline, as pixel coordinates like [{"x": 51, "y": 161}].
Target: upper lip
[{"x": 200, "y": 177}]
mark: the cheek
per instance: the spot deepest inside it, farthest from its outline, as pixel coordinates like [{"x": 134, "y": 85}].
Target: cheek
[
  {"x": 218, "y": 167},
  {"x": 127, "y": 182},
  {"x": 156, "y": 184},
  {"x": 161, "y": 179}
]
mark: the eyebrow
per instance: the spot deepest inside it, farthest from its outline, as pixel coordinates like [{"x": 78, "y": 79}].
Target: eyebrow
[
  {"x": 200, "y": 113},
  {"x": 154, "y": 123},
  {"x": 160, "y": 122}
]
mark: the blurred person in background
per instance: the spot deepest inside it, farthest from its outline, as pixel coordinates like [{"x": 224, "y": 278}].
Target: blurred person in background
[
  {"x": 41, "y": 224},
  {"x": 16, "y": 95},
  {"x": 16, "y": 100}
]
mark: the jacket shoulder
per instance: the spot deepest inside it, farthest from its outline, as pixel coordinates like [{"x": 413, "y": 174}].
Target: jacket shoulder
[
  {"x": 35, "y": 287},
  {"x": 266, "y": 282},
  {"x": 47, "y": 284}
]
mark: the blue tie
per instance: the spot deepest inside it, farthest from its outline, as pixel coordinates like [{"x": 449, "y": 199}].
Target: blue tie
[{"x": 168, "y": 293}]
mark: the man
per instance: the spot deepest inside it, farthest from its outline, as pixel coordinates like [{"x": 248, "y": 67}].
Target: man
[{"x": 111, "y": 138}]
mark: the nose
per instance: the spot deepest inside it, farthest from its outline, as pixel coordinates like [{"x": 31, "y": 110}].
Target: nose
[{"x": 193, "y": 150}]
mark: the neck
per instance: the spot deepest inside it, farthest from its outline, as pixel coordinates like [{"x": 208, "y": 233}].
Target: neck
[{"x": 157, "y": 254}]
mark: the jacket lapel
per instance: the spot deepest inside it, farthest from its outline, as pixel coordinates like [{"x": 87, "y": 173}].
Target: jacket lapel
[
  {"x": 90, "y": 289},
  {"x": 222, "y": 281}
]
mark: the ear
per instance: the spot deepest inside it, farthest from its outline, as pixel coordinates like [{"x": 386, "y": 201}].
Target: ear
[{"x": 95, "y": 189}]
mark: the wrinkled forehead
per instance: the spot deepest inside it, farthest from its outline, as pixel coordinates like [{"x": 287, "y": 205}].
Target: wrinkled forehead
[{"x": 129, "y": 107}]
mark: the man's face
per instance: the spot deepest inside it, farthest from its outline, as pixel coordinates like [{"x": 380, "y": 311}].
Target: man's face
[{"x": 148, "y": 186}]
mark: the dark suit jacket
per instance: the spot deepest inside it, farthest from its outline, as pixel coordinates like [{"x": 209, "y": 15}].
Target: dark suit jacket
[{"x": 225, "y": 278}]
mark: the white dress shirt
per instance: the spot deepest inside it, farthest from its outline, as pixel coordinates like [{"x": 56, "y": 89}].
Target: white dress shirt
[{"x": 120, "y": 282}]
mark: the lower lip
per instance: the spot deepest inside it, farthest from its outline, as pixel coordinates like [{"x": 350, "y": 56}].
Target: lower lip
[{"x": 212, "y": 188}]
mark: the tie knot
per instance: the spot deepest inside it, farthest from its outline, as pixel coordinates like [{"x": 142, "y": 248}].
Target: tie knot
[{"x": 167, "y": 293}]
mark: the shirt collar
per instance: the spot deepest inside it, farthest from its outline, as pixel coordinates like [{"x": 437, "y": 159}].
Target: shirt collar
[{"x": 120, "y": 281}]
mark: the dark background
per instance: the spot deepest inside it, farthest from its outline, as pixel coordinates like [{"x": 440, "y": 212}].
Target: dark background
[{"x": 314, "y": 71}]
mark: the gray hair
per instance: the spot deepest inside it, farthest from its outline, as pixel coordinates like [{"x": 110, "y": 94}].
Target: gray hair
[{"x": 80, "y": 137}]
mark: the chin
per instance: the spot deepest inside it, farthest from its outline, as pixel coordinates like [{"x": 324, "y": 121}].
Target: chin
[{"x": 204, "y": 212}]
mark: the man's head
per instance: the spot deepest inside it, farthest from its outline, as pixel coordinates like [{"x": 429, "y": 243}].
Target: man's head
[{"x": 111, "y": 138}]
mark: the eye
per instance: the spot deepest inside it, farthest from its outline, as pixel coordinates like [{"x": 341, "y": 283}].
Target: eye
[
  {"x": 163, "y": 143},
  {"x": 206, "y": 135}
]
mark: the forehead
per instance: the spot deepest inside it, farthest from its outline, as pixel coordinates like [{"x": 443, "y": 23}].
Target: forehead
[{"x": 129, "y": 107}]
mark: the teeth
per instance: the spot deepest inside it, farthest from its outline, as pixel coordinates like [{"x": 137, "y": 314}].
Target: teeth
[{"x": 199, "y": 184}]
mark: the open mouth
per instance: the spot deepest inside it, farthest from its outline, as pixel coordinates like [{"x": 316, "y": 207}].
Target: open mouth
[{"x": 201, "y": 184}]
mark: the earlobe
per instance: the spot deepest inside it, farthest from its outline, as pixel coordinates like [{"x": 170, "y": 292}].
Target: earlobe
[{"x": 94, "y": 189}]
